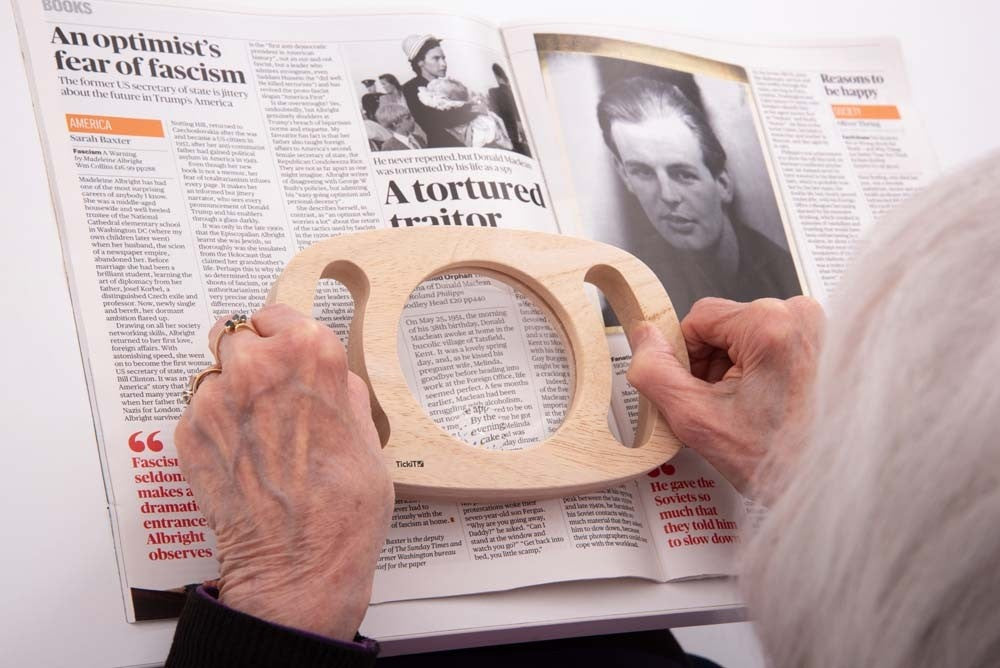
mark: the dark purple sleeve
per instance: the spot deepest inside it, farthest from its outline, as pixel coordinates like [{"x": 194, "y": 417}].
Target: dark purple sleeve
[{"x": 211, "y": 634}]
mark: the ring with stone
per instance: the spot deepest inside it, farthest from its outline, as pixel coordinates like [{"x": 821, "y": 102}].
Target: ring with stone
[{"x": 234, "y": 324}]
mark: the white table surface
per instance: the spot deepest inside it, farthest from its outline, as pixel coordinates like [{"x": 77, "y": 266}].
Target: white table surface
[{"x": 62, "y": 604}]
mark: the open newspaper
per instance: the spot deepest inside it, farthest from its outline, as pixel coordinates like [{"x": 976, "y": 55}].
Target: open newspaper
[{"x": 192, "y": 152}]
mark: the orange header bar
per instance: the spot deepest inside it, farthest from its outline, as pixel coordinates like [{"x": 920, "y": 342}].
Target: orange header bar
[
  {"x": 114, "y": 125},
  {"x": 866, "y": 111}
]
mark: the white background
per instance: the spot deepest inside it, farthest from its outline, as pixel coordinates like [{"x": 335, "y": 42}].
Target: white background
[{"x": 51, "y": 468}]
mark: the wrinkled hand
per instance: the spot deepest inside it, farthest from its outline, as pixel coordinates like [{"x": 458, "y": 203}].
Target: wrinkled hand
[
  {"x": 749, "y": 392},
  {"x": 284, "y": 460}
]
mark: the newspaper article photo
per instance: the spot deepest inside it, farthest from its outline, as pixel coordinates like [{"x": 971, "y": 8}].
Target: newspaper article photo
[
  {"x": 667, "y": 162},
  {"x": 423, "y": 91}
]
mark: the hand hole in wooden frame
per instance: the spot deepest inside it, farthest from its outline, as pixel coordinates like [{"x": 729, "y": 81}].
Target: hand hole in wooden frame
[{"x": 381, "y": 268}]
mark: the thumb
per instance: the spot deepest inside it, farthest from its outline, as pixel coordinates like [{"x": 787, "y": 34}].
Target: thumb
[{"x": 659, "y": 376}]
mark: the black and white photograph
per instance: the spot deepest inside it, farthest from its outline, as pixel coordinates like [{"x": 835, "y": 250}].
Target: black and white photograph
[
  {"x": 666, "y": 162},
  {"x": 425, "y": 91}
]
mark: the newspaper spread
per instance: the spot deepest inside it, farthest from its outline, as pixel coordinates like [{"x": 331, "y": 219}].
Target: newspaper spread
[{"x": 193, "y": 152}]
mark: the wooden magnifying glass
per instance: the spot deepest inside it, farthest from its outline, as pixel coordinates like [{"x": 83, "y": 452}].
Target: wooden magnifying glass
[{"x": 382, "y": 268}]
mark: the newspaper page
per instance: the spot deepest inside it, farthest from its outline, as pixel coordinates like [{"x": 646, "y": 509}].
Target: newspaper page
[
  {"x": 192, "y": 153},
  {"x": 646, "y": 136},
  {"x": 807, "y": 144}
]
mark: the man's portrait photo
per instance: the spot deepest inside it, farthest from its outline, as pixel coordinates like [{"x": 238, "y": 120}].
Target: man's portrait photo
[{"x": 667, "y": 164}]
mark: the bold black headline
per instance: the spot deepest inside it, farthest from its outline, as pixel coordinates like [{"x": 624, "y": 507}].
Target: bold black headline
[
  {"x": 861, "y": 86},
  {"x": 154, "y": 66},
  {"x": 454, "y": 191}
]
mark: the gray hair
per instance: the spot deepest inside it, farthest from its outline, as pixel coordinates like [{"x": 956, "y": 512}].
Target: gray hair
[
  {"x": 638, "y": 99},
  {"x": 884, "y": 548}
]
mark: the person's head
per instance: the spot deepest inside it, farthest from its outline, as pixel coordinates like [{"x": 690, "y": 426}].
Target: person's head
[
  {"x": 445, "y": 94},
  {"x": 395, "y": 117},
  {"x": 390, "y": 84},
  {"x": 369, "y": 104},
  {"x": 669, "y": 158},
  {"x": 883, "y": 548},
  {"x": 500, "y": 75},
  {"x": 369, "y": 85},
  {"x": 450, "y": 89},
  {"x": 426, "y": 56}
]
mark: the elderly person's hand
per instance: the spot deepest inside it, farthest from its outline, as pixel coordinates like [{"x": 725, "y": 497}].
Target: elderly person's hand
[
  {"x": 285, "y": 462},
  {"x": 749, "y": 392}
]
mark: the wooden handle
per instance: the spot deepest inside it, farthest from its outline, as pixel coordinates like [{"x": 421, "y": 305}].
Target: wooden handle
[{"x": 382, "y": 268}]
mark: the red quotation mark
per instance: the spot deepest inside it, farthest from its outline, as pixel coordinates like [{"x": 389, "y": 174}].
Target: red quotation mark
[
  {"x": 136, "y": 445},
  {"x": 668, "y": 469}
]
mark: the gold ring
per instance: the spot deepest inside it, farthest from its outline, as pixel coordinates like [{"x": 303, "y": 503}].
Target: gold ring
[
  {"x": 196, "y": 381},
  {"x": 234, "y": 324}
]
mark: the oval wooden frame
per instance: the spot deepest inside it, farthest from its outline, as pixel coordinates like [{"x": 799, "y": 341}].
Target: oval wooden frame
[{"x": 382, "y": 268}]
